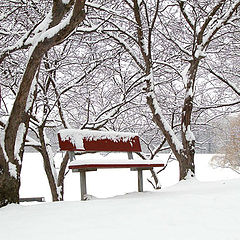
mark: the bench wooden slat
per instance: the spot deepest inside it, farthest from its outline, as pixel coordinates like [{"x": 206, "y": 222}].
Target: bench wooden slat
[{"x": 85, "y": 166}]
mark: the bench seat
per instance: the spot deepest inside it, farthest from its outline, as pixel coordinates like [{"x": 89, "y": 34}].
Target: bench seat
[{"x": 114, "y": 163}]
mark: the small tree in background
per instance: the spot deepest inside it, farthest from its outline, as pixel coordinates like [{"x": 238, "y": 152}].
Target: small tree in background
[{"x": 229, "y": 153}]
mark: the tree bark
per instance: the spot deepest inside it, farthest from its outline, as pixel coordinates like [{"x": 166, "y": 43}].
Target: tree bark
[{"x": 9, "y": 186}]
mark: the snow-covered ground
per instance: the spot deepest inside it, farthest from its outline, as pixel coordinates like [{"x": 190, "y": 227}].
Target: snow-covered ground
[{"x": 189, "y": 210}]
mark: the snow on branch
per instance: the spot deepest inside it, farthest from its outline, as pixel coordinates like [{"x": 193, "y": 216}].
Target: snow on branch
[
  {"x": 30, "y": 142},
  {"x": 178, "y": 44},
  {"x": 110, "y": 11},
  {"x": 78, "y": 80},
  {"x": 127, "y": 47},
  {"x": 26, "y": 40},
  {"x": 93, "y": 28},
  {"x": 112, "y": 111},
  {"x": 64, "y": 90},
  {"x": 220, "y": 23},
  {"x": 200, "y": 108},
  {"x": 51, "y": 32},
  {"x": 233, "y": 86},
  {"x": 209, "y": 20},
  {"x": 5, "y": 15},
  {"x": 65, "y": 2},
  {"x": 129, "y": 3},
  {"x": 19, "y": 140},
  {"x": 185, "y": 13},
  {"x": 167, "y": 127},
  {"x": 160, "y": 119},
  {"x": 169, "y": 65},
  {"x": 121, "y": 30}
]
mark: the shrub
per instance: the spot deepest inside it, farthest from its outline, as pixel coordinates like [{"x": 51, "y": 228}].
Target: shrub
[{"x": 229, "y": 153}]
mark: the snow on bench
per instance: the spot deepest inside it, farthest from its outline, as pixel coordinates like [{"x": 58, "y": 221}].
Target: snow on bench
[
  {"x": 114, "y": 163},
  {"x": 90, "y": 140},
  {"x": 72, "y": 140}
]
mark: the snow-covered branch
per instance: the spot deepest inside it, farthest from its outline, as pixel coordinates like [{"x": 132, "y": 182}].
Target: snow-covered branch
[
  {"x": 218, "y": 24},
  {"x": 185, "y": 13},
  {"x": 109, "y": 10},
  {"x": 230, "y": 84},
  {"x": 127, "y": 47}
]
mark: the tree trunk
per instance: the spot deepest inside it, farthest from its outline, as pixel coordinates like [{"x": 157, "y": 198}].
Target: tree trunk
[
  {"x": 186, "y": 160},
  {"x": 55, "y": 180},
  {"x": 48, "y": 165},
  {"x": 61, "y": 174},
  {"x": 184, "y": 153},
  {"x": 12, "y": 144},
  {"x": 9, "y": 182},
  {"x": 9, "y": 189},
  {"x": 15, "y": 133},
  {"x": 186, "y": 167}
]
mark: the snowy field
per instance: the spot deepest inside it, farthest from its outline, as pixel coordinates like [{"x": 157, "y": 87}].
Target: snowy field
[
  {"x": 109, "y": 183},
  {"x": 204, "y": 208}
]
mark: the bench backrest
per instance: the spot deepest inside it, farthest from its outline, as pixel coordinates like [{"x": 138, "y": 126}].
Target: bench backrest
[{"x": 89, "y": 140}]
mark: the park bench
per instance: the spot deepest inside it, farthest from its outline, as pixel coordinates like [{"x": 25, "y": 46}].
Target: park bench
[{"x": 75, "y": 141}]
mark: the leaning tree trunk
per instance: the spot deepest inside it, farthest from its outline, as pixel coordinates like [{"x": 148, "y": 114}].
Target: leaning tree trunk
[
  {"x": 184, "y": 150},
  {"x": 12, "y": 144},
  {"x": 13, "y": 138}
]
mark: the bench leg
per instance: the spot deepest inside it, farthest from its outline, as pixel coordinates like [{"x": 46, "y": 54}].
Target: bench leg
[
  {"x": 140, "y": 180},
  {"x": 83, "y": 184}
]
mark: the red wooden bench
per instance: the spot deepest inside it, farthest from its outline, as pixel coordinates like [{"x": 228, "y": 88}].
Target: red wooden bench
[{"x": 97, "y": 141}]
